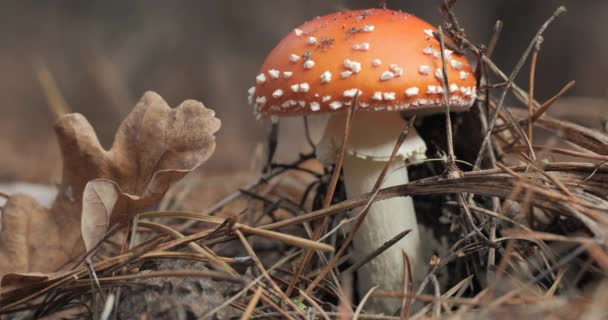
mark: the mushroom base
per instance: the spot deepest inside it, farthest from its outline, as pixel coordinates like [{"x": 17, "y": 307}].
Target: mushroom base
[{"x": 384, "y": 220}]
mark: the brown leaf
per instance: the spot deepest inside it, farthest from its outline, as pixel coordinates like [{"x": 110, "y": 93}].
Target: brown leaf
[
  {"x": 154, "y": 147},
  {"x": 152, "y": 138},
  {"x": 35, "y": 238}
]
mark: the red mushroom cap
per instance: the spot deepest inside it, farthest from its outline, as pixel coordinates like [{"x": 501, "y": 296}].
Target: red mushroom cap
[{"x": 390, "y": 58}]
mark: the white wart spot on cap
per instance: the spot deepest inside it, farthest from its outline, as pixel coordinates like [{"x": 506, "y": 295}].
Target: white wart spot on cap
[
  {"x": 326, "y": 76},
  {"x": 351, "y": 92},
  {"x": 428, "y": 33},
  {"x": 294, "y": 57},
  {"x": 386, "y": 75},
  {"x": 326, "y": 98},
  {"x": 424, "y": 70},
  {"x": 315, "y": 106},
  {"x": 432, "y": 89},
  {"x": 411, "y": 92},
  {"x": 251, "y": 91},
  {"x": 388, "y": 96},
  {"x": 336, "y": 105},
  {"x": 300, "y": 87},
  {"x": 367, "y": 28},
  {"x": 397, "y": 71},
  {"x": 457, "y": 65},
  {"x": 302, "y": 103},
  {"x": 261, "y": 78},
  {"x": 463, "y": 75},
  {"x": 261, "y": 101},
  {"x": 468, "y": 91},
  {"x": 309, "y": 64},
  {"x": 447, "y": 53},
  {"x": 346, "y": 74},
  {"x": 354, "y": 66},
  {"x": 311, "y": 40},
  {"x": 298, "y": 32},
  {"x": 277, "y": 93},
  {"x": 285, "y": 104},
  {"x": 453, "y": 88},
  {"x": 428, "y": 50},
  {"x": 274, "y": 73},
  {"x": 377, "y": 96},
  {"x": 287, "y": 74},
  {"x": 439, "y": 74},
  {"x": 361, "y": 46},
  {"x": 376, "y": 62}
]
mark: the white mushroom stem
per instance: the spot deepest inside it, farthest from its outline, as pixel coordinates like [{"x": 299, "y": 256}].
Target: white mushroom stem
[
  {"x": 385, "y": 219},
  {"x": 372, "y": 138}
]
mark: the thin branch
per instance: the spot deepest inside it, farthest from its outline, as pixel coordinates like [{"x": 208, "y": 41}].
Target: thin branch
[
  {"x": 531, "y": 91},
  {"x": 510, "y": 80},
  {"x": 377, "y": 252},
  {"x": 451, "y": 165}
]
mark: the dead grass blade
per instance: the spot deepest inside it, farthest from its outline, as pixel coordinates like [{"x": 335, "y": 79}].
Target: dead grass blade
[
  {"x": 252, "y": 303},
  {"x": 363, "y": 301},
  {"x": 407, "y": 286},
  {"x": 260, "y": 266}
]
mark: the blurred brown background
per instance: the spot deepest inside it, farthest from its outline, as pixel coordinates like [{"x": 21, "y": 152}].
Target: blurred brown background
[{"x": 105, "y": 54}]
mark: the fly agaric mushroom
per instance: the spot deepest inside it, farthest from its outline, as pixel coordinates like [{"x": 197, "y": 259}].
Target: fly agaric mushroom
[{"x": 392, "y": 61}]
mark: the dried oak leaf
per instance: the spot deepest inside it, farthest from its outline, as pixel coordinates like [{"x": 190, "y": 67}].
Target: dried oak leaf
[
  {"x": 154, "y": 147},
  {"x": 35, "y": 238}
]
